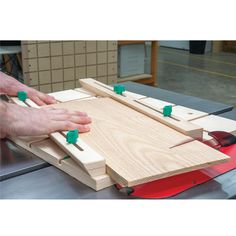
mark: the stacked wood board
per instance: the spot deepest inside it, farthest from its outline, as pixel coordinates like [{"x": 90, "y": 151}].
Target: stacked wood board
[{"x": 130, "y": 141}]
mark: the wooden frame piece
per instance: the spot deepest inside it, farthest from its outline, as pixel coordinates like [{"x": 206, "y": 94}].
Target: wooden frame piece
[{"x": 93, "y": 163}]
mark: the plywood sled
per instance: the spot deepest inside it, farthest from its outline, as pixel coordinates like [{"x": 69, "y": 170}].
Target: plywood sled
[
  {"x": 138, "y": 149},
  {"x": 133, "y": 141}
]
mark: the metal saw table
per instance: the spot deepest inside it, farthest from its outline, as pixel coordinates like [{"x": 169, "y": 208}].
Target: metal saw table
[{"x": 25, "y": 176}]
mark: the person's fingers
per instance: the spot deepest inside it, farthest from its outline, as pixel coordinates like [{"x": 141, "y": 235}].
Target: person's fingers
[
  {"x": 74, "y": 119},
  {"x": 48, "y": 108},
  {"x": 71, "y": 113},
  {"x": 80, "y": 113},
  {"x": 67, "y": 125},
  {"x": 76, "y": 113},
  {"x": 37, "y": 100},
  {"x": 60, "y": 111},
  {"x": 80, "y": 119},
  {"x": 46, "y": 98}
]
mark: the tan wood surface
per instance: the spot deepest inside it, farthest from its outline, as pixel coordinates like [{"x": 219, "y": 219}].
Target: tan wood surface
[
  {"x": 216, "y": 123},
  {"x": 137, "y": 148},
  {"x": 182, "y": 126},
  {"x": 69, "y": 95},
  {"x": 186, "y": 113},
  {"x": 155, "y": 103}
]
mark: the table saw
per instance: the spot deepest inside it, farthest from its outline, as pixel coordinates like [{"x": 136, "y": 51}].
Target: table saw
[{"x": 185, "y": 120}]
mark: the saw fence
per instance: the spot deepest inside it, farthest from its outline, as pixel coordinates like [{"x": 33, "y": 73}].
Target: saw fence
[{"x": 130, "y": 141}]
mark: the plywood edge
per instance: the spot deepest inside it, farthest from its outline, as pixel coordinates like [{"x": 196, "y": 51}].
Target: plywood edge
[
  {"x": 184, "y": 127},
  {"x": 88, "y": 159},
  {"x": 53, "y": 154},
  {"x": 97, "y": 183},
  {"x": 131, "y": 183}
]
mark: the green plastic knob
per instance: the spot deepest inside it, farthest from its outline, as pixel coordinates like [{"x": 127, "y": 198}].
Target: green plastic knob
[
  {"x": 72, "y": 136},
  {"x": 167, "y": 110},
  {"x": 22, "y": 95},
  {"x": 119, "y": 89}
]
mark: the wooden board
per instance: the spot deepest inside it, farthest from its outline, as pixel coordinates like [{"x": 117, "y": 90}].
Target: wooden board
[
  {"x": 137, "y": 148},
  {"x": 156, "y": 103},
  {"x": 132, "y": 95},
  {"x": 69, "y": 95},
  {"x": 187, "y": 114},
  {"x": 216, "y": 123},
  {"x": 182, "y": 126}
]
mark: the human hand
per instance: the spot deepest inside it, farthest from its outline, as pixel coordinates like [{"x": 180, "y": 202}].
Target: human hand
[
  {"x": 11, "y": 86},
  {"x": 25, "y": 121}
]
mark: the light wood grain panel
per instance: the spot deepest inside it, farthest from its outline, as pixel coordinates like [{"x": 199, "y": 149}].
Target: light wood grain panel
[
  {"x": 137, "y": 148},
  {"x": 186, "y": 113},
  {"x": 69, "y": 95},
  {"x": 156, "y": 103},
  {"x": 216, "y": 123}
]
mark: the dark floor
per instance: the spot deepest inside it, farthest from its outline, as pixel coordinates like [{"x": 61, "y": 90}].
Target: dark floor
[{"x": 211, "y": 76}]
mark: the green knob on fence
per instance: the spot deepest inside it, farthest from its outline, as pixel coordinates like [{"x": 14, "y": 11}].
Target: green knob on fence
[
  {"x": 167, "y": 110},
  {"x": 72, "y": 136},
  {"x": 22, "y": 95},
  {"x": 119, "y": 88}
]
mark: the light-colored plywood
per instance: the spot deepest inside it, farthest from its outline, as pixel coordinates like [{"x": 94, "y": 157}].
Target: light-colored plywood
[
  {"x": 186, "y": 113},
  {"x": 182, "y": 126},
  {"x": 137, "y": 148},
  {"x": 216, "y": 123},
  {"x": 156, "y": 103},
  {"x": 69, "y": 95},
  {"x": 134, "y": 96}
]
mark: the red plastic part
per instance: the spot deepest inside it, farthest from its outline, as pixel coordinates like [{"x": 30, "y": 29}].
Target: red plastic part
[{"x": 173, "y": 185}]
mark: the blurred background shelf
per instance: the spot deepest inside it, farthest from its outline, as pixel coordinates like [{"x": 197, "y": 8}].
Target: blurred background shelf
[{"x": 143, "y": 77}]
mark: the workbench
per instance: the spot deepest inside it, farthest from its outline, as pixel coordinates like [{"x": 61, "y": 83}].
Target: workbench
[{"x": 25, "y": 176}]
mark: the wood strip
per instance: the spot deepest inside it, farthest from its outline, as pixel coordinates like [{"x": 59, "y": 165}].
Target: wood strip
[
  {"x": 216, "y": 123},
  {"x": 69, "y": 95},
  {"x": 155, "y": 103},
  {"x": 182, "y": 126},
  {"x": 187, "y": 114},
  {"x": 88, "y": 159}
]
